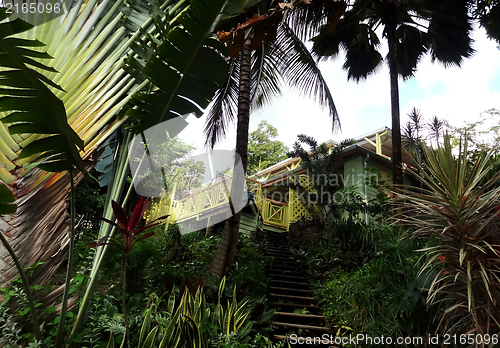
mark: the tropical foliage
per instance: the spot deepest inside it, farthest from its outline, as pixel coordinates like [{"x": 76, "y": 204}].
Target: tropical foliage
[
  {"x": 456, "y": 211},
  {"x": 87, "y": 77},
  {"x": 368, "y": 282},
  {"x": 96, "y": 53},
  {"x": 263, "y": 149}
]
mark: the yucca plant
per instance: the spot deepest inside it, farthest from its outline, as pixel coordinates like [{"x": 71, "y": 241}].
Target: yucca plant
[{"x": 454, "y": 212}]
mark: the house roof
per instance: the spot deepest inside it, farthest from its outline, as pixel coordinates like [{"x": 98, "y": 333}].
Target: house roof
[
  {"x": 386, "y": 143},
  {"x": 364, "y": 145},
  {"x": 276, "y": 167},
  {"x": 353, "y": 149}
]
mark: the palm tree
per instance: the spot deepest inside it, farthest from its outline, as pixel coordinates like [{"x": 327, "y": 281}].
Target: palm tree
[
  {"x": 488, "y": 14},
  {"x": 263, "y": 49},
  {"x": 94, "y": 83},
  {"x": 436, "y": 129},
  {"x": 411, "y": 29},
  {"x": 320, "y": 161},
  {"x": 413, "y": 140}
]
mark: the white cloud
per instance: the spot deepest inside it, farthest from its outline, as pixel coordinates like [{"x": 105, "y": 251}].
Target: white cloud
[{"x": 463, "y": 92}]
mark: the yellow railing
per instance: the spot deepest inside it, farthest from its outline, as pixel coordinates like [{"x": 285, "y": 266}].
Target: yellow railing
[
  {"x": 200, "y": 201},
  {"x": 274, "y": 213}
]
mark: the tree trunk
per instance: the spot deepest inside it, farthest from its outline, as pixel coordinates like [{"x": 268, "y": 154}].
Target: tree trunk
[
  {"x": 224, "y": 256},
  {"x": 397, "y": 172}
]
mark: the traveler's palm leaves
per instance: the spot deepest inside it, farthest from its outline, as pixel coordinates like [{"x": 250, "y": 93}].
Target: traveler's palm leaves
[
  {"x": 89, "y": 45},
  {"x": 31, "y": 104},
  {"x": 188, "y": 68}
]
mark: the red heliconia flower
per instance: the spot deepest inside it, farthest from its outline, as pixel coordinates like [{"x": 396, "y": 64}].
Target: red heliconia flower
[{"x": 127, "y": 227}]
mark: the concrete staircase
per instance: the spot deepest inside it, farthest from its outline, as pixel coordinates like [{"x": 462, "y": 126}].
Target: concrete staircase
[{"x": 297, "y": 315}]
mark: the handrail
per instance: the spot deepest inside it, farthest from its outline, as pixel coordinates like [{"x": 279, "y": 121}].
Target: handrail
[
  {"x": 273, "y": 212},
  {"x": 275, "y": 202},
  {"x": 253, "y": 180},
  {"x": 204, "y": 189}
]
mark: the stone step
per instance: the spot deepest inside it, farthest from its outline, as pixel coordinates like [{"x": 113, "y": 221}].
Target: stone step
[
  {"x": 276, "y": 264},
  {"x": 289, "y": 292},
  {"x": 281, "y": 255},
  {"x": 286, "y": 276},
  {"x": 287, "y": 260},
  {"x": 298, "y": 315},
  {"x": 300, "y": 326},
  {"x": 284, "y": 258},
  {"x": 282, "y": 269},
  {"x": 299, "y": 300},
  {"x": 285, "y": 251},
  {"x": 297, "y": 318},
  {"x": 286, "y": 282},
  {"x": 277, "y": 289},
  {"x": 292, "y": 306},
  {"x": 295, "y": 274}
]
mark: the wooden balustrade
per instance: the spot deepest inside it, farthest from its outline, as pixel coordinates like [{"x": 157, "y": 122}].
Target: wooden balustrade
[{"x": 274, "y": 213}]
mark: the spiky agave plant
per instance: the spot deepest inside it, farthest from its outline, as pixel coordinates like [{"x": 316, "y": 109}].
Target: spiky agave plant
[{"x": 455, "y": 212}]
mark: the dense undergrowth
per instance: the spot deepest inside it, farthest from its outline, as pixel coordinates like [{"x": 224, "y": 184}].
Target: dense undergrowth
[
  {"x": 166, "y": 274},
  {"x": 366, "y": 279}
]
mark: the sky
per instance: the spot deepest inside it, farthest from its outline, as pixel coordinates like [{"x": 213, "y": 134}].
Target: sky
[{"x": 457, "y": 94}]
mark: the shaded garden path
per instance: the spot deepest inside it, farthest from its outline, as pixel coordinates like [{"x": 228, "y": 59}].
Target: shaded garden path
[{"x": 289, "y": 293}]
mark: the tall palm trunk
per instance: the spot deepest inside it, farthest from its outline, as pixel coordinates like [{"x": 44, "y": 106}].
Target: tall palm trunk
[
  {"x": 397, "y": 172},
  {"x": 224, "y": 255}
]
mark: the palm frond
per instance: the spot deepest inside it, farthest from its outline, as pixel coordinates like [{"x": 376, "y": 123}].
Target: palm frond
[
  {"x": 490, "y": 20},
  {"x": 410, "y": 49},
  {"x": 362, "y": 56},
  {"x": 306, "y": 20},
  {"x": 264, "y": 87},
  {"x": 223, "y": 108},
  {"x": 449, "y": 31},
  {"x": 299, "y": 70},
  {"x": 265, "y": 80}
]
